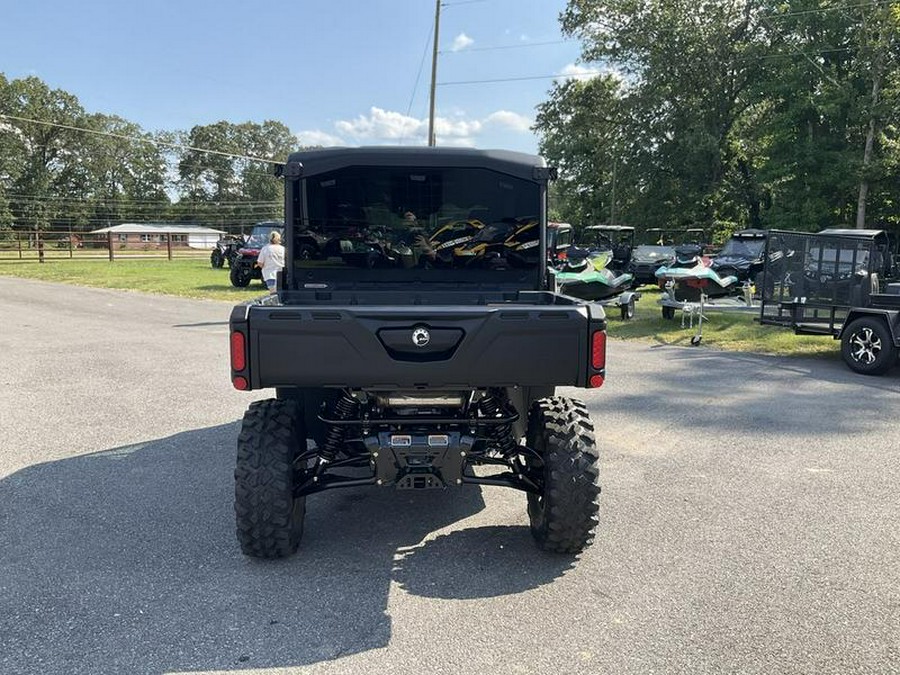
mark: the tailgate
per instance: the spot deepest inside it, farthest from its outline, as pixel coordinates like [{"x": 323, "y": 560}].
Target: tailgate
[{"x": 416, "y": 347}]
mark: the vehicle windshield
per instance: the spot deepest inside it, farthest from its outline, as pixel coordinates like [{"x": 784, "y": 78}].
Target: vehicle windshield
[
  {"x": 396, "y": 222},
  {"x": 644, "y": 251},
  {"x": 744, "y": 248},
  {"x": 260, "y": 235}
]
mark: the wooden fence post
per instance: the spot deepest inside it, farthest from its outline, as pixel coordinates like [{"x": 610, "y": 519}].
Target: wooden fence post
[
  {"x": 169, "y": 244},
  {"x": 109, "y": 245},
  {"x": 40, "y": 245}
]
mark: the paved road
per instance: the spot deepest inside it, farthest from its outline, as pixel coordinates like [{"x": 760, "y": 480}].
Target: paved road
[{"x": 749, "y": 521}]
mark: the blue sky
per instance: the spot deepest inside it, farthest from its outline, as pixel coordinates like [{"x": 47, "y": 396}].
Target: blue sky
[{"x": 334, "y": 71}]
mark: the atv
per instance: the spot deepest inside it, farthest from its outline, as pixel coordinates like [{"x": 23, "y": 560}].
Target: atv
[{"x": 226, "y": 251}]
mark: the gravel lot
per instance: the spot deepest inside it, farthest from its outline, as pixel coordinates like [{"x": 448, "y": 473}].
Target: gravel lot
[{"x": 750, "y": 521}]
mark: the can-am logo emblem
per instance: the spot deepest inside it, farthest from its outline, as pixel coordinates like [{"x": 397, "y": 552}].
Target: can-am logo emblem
[{"x": 421, "y": 337}]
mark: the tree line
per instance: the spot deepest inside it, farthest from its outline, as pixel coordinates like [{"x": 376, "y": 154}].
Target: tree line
[
  {"x": 63, "y": 168},
  {"x": 728, "y": 114}
]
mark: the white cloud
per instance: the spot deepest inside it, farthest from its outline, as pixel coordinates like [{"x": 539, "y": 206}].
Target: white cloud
[
  {"x": 316, "y": 137},
  {"x": 574, "y": 71},
  {"x": 511, "y": 120},
  {"x": 460, "y": 42},
  {"x": 381, "y": 126},
  {"x": 456, "y": 128}
]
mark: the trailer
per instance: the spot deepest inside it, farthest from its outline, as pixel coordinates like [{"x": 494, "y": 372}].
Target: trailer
[{"x": 840, "y": 283}]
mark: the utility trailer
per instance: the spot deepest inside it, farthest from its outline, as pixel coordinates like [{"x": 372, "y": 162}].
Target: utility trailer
[{"x": 840, "y": 283}]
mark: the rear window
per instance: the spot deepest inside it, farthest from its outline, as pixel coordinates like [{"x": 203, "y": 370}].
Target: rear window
[{"x": 394, "y": 223}]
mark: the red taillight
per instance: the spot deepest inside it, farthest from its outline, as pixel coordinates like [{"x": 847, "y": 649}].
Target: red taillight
[
  {"x": 596, "y": 381},
  {"x": 238, "y": 357},
  {"x": 598, "y": 350},
  {"x": 240, "y": 383}
]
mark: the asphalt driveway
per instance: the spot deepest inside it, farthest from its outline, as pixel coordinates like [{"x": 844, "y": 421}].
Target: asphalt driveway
[{"x": 750, "y": 521}]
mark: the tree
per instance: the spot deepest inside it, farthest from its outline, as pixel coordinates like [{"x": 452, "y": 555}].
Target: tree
[{"x": 741, "y": 113}]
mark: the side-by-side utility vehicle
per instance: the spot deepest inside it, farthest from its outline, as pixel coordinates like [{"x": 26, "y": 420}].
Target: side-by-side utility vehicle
[
  {"x": 243, "y": 266},
  {"x": 429, "y": 369}
]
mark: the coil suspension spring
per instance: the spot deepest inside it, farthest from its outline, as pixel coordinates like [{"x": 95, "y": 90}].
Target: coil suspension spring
[
  {"x": 500, "y": 435},
  {"x": 345, "y": 408}
]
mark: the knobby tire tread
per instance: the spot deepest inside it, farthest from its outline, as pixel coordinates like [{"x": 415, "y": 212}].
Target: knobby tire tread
[
  {"x": 562, "y": 431},
  {"x": 269, "y": 520}
]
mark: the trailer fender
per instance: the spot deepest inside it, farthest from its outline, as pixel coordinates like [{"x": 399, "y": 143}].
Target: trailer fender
[{"x": 891, "y": 319}]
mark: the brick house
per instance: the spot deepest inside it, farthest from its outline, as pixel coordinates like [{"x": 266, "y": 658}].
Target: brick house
[{"x": 151, "y": 236}]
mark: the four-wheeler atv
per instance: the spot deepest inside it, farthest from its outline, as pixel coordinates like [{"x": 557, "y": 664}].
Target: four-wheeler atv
[
  {"x": 226, "y": 250},
  {"x": 243, "y": 267},
  {"x": 421, "y": 377}
]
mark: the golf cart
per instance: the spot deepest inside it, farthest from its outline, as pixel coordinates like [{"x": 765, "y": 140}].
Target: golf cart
[
  {"x": 618, "y": 239},
  {"x": 743, "y": 256}
]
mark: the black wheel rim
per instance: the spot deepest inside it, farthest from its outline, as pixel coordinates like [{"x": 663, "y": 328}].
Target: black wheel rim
[{"x": 865, "y": 346}]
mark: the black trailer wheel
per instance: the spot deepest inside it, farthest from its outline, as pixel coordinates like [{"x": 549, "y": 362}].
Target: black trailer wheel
[
  {"x": 216, "y": 259},
  {"x": 867, "y": 348},
  {"x": 668, "y": 313},
  {"x": 564, "y": 516},
  {"x": 628, "y": 310},
  {"x": 241, "y": 275},
  {"x": 269, "y": 517}
]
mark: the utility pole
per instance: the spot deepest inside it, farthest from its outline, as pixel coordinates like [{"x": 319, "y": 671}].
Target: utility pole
[
  {"x": 434, "y": 59},
  {"x": 612, "y": 204}
]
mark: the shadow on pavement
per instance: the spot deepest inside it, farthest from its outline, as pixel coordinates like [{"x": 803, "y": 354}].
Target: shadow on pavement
[
  {"x": 479, "y": 562},
  {"x": 126, "y": 561}
]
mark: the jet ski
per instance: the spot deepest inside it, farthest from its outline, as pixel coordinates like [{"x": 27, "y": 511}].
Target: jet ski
[
  {"x": 691, "y": 274},
  {"x": 589, "y": 278}
]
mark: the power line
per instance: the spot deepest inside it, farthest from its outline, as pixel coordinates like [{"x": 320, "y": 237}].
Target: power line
[
  {"x": 125, "y": 200},
  {"x": 418, "y": 76},
  {"x": 519, "y": 79},
  {"x": 820, "y": 10},
  {"x": 518, "y": 46},
  {"x": 138, "y": 139}
]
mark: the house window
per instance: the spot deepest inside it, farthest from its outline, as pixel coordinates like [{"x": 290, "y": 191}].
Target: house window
[
  {"x": 123, "y": 237},
  {"x": 148, "y": 237}
]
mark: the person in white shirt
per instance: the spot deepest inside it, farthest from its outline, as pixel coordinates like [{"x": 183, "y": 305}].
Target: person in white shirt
[{"x": 270, "y": 260}]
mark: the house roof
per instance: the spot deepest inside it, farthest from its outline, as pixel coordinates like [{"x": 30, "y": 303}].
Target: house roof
[{"x": 157, "y": 228}]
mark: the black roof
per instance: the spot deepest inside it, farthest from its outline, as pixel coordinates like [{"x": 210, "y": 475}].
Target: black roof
[
  {"x": 516, "y": 164},
  {"x": 852, "y": 232},
  {"x": 611, "y": 228}
]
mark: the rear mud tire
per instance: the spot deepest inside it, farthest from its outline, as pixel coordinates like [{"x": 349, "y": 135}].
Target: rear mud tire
[
  {"x": 564, "y": 516},
  {"x": 269, "y": 518},
  {"x": 628, "y": 310}
]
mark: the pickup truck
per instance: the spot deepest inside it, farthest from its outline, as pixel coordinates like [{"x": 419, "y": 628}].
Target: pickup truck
[{"x": 397, "y": 361}]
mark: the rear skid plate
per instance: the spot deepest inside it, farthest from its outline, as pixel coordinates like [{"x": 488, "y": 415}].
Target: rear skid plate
[{"x": 419, "y": 460}]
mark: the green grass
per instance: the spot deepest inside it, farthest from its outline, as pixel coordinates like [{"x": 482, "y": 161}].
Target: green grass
[
  {"x": 734, "y": 331},
  {"x": 188, "y": 278},
  {"x": 194, "y": 278}
]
